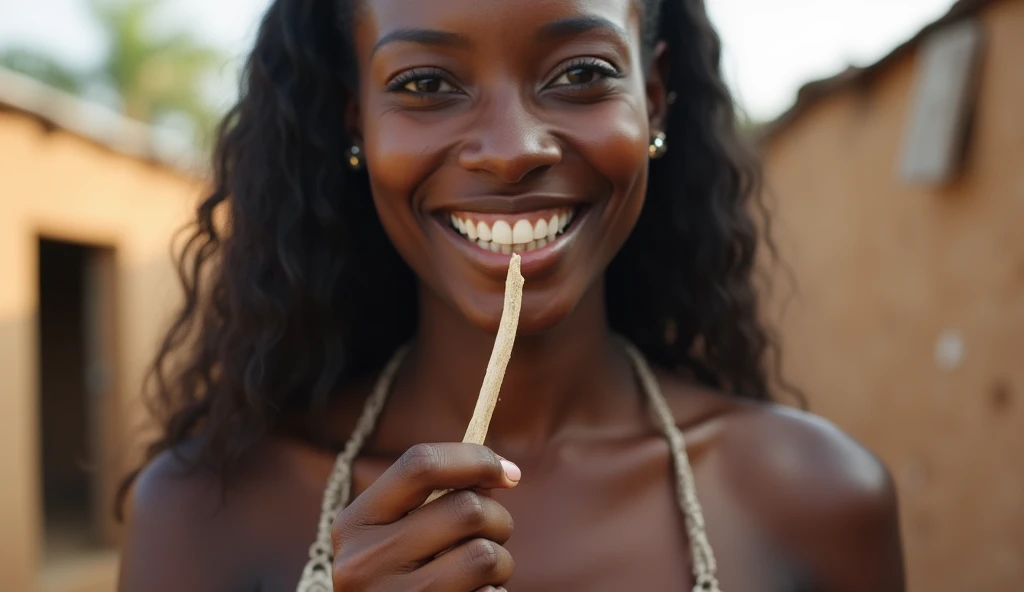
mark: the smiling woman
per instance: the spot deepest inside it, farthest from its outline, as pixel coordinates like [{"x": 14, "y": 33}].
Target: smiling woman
[{"x": 384, "y": 161}]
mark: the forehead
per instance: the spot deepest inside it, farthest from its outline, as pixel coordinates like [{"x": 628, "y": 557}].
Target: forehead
[{"x": 491, "y": 19}]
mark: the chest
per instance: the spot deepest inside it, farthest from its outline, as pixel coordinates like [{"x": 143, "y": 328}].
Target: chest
[
  {"x": 596, "y": 538},
  {"x": 595, "y": 520}
]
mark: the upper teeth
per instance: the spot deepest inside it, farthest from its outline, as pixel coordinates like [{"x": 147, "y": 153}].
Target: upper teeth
[{"x": 514, "y": 230}]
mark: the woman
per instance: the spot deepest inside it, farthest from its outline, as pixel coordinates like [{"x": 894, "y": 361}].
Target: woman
[{"x": 385, "y": 158}]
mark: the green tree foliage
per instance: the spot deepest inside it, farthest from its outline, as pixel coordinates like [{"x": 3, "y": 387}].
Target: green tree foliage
[{"x": 158, "y": 75}]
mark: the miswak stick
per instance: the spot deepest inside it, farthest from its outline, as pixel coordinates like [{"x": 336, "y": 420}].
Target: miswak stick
[{"x": 476, "y": 433}]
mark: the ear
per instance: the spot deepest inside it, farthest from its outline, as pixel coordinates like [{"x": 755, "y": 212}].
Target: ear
[{"x": 656, "y": 87}]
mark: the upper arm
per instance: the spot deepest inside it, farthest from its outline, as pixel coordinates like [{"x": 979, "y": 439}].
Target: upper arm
[
  {"x": 174, "y": 532},
  {"x": 829, "y": 502}
]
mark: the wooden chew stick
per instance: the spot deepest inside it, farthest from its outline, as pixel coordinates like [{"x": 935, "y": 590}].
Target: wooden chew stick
[{"x": 476, "y": 433}]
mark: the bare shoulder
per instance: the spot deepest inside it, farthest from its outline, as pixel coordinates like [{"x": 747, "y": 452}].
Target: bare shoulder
[
  {"x": 175, "y": 528},
  {"x": 821, "y": 495},
  {"x": 806, "y": 459},
  {"x": 187, "y": 529},
  {"x": 169, "y": 483}
]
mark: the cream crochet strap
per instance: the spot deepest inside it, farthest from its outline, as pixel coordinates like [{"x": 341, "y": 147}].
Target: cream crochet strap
[{"x": 316, "y": 577}]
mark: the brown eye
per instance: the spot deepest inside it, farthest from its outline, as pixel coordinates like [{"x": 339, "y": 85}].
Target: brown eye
[
  {"x": 583, "y": 73},
  {"x": 428, "y": 85},
  {"x": 425, "y": 85},
  {"x": 580, "y": 76}
]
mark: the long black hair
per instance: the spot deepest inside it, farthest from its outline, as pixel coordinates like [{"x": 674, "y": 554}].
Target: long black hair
[{"x": 291, "y": 287}]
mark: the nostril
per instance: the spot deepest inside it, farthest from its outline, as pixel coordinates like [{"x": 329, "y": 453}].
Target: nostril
[
  {"x": 514, "y": 160},
  {"x": 535, "y": 173}
]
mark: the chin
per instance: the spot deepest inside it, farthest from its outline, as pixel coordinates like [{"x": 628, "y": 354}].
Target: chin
[{"x": 541, "y": 312}]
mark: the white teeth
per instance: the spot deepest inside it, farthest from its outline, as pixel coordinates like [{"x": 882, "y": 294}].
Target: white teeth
[
  {"x": 501, "y": 233},
  {"x": 522, "y": 233},
  {"x": 540, "y": 230},
  {"x": 508, "y": 249},
  {"x": 520, "y": 236}
]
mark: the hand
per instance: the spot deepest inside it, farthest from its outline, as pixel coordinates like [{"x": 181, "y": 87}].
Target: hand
[{"x": 384, "y": 541}]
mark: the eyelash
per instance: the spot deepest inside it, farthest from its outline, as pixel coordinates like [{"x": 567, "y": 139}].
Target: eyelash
[
  {"x": 595, "y": 65},
  {"x": 398, "y": 83}
]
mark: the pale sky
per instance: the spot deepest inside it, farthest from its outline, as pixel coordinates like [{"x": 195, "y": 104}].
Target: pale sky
[{"x": 772, "y": 47}]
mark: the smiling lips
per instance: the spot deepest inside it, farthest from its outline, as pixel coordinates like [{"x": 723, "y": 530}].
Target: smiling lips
[{"x": 512, "y": 233}]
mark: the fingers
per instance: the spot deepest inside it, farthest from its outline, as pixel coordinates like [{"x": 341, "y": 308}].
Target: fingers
[
  {"x": 452, "y": 544},
  {"x": 437, "y": 527},
  {"x": 428, "y": 467},
  {"x": 474, "y": 565}
]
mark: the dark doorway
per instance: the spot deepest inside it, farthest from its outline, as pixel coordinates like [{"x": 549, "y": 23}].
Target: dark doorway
[{"x": 75, "y": 381}]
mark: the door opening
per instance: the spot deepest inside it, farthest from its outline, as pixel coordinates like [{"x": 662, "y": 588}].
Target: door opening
[{"x": 76, "y": 382}]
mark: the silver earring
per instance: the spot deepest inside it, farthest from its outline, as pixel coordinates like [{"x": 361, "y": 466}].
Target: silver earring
[
  {"x": 355, "y": 158},
  {"x": 658, "y": 146}
]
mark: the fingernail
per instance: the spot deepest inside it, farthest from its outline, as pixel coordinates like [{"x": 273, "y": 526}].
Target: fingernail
[{"x": 512, "y": 472}]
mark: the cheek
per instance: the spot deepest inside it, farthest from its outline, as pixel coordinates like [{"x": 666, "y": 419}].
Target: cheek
[
  {"x": 403, "y": 151},
  {"x": 399, "y": 157},
  {"x": 617, "y": 151},
  {"x": 614, "y": 140}
]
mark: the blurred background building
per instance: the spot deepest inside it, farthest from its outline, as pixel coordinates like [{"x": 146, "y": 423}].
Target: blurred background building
[
  {"x": 89, "y": 204},
  {"x": 896, "y": 187},
  {"x": 899, "y": 199}
]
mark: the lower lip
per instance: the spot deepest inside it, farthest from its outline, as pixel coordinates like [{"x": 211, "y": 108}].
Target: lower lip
[{"x": 534, "y": 262}]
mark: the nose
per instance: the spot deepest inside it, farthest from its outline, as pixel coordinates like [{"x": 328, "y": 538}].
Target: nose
[{"x": 510, "y": 142}]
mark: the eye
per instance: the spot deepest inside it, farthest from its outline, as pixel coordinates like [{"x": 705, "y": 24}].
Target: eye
[
  {"x": 422, "y": 81},
  {"x": 580, "y": 76},
  {"x": 584, "y": 72},
  {"x": 428, "y": 85}
]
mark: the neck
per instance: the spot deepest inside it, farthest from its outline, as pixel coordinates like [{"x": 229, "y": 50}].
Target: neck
[{"x": 571, "y": 376}]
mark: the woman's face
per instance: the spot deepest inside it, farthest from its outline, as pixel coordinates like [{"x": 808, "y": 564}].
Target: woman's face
[{"x": 497, "y": 126}]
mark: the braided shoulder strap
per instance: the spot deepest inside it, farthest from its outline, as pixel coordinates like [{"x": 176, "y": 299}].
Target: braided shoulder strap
[
  {"x": 316, "y": 577},
  {"x": 705, "y": 569}
]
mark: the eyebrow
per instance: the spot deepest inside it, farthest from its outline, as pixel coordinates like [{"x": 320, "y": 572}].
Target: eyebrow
[
  {"x": 568, "y": 27},
  {"x": 423, "y": 37}
]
